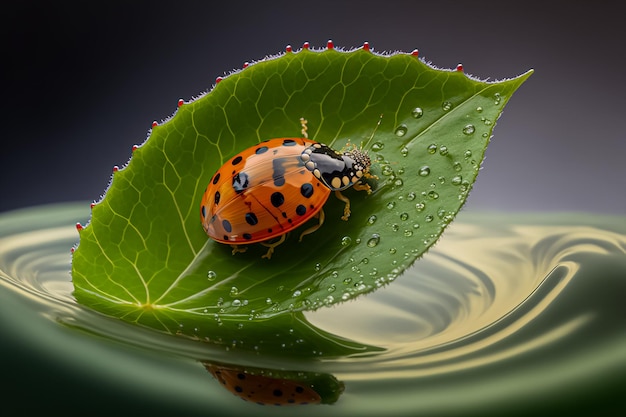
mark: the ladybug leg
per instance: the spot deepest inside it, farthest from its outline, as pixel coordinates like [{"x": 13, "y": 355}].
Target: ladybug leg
[
  {"x": 346, "y": 209},
  {"x": 271, "y": 246},
  {"x": 362, "y": 187},
  {"x": 238, "y": 248},
  {"x": 320, "y": 216}
]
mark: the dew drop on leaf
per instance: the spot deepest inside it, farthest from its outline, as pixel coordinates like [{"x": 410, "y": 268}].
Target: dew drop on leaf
[
  {"x": 378, "y": 146},
  {"x": 446, "y": 106},
  {"x": 417, "y": 112},
  {"x": 424, "y": 171},
  {"x": 374, "y": 240},
  {"x": 469, "y": 129},
  {"x": 432, "y": 148},
  {"x": 401, "y": 130}
]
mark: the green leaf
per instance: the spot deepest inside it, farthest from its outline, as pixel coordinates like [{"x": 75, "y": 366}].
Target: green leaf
[{"x": 145, "y": 258}]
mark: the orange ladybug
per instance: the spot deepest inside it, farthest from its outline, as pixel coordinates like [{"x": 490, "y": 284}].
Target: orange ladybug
[{"x": 271, "y": 188}]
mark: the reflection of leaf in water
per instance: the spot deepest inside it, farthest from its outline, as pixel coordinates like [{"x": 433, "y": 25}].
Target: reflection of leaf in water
[
  {"x": 145, "y": 258},
  {"x": 275, "y": 387}
]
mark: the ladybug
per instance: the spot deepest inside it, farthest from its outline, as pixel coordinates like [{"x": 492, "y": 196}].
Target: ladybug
[{"x": 273, "y": 187}]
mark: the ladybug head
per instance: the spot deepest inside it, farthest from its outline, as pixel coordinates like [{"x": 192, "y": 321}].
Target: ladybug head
[{"x": 362, "y": 161}]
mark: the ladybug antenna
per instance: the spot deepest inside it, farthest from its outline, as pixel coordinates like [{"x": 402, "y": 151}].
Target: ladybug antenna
[{"x": 380, "y": 119}]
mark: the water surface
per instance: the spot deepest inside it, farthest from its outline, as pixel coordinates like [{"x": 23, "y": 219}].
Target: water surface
[{"x": 507, "y": 314}]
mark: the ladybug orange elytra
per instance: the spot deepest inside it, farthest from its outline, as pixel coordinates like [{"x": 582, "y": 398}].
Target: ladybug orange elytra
[{"x": 273, "y": 187}]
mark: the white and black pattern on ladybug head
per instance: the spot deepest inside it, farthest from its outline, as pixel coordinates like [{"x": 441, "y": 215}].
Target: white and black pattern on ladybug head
[{"x": 337, "y": 171}]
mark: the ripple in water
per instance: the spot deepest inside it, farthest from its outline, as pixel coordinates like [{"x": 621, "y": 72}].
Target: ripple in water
[{"x": 504, "y": 310}]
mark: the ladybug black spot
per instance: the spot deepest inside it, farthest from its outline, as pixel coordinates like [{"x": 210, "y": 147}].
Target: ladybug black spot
[
  {"x": 226, "y": 225},
  {"x": 240, "y": 182},
  {"x": 277, "y": 393},
  {"x": 289, "y": 142},
  {"x": 216, "y": 178},
  {"x": 217, "y": 198},
  {"x": 237, "y": 160},
  {"x": 203, "y": 212},
  {"x": 247, "y": 236},
  {"x": 238, "y": 388},
  {"x": 251, "y": 219},
  {"x": 306, "y": 190},
  {"x": 277, "y": 199},
  {"x": 300, "y": 210},
  {"x": 261, "y": 150}
]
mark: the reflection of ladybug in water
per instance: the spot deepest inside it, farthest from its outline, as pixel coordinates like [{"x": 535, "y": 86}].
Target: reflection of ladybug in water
[
  {"x": 275, "y": 186},
  {"x": 270, "y": 390},
  {"x": 263, "y": 389}
]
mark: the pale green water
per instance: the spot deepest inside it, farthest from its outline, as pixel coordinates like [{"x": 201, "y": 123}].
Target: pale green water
[{"x": 508, "y": 313}]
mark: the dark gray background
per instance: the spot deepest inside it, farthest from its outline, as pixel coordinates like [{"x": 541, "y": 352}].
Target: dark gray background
[{"x": 84, "y": 82}]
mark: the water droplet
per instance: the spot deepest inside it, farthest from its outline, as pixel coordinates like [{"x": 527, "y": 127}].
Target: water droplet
[
  {"x": 432, "y": 148},
  {"x": 485, "y": 135},
  {"x": 433, "y": 195},
  {"x": 446, "y": 106},
  {"x": 468, "y": 154},
  {"x": 211, "y": 275},
  {"x": 374, "y": 240},
  {"x": 486, "y": 121},
  {"x": 408, "y": 233},
  {"x": 429, "y": 218},
  {"x": 398, "y": 182},
  {"x": 417, "y": 112},
  {"x": 317, "y": 266},
  {"x": 416, "y": 226},
  {"x": 457, "y": 166},
  {"x": 442, "y": 179},
  {"x": 443, "y": 150},
  {"x": 410, "y": 196},
  {"x": 404, "y": 151},
  {"x": 372, "y": 219},
  {"x": 424, "y": 171},
  {"x": 497, "y": 98},
  {"x": 401, "y": 130},
  {"x": 297, "y": 293},
  {"x": 378, "y": 146},
  {"x": 391, "y": 205},
  {"x": 395, "y": 227},
  {"x": 332, "y": 288},
  {"x": 234, "y": 291},
  {"x": 469, "y": 129},
  {"x": 347, "y": 280},
  {"x": 420, "y": 206},
  {"x": 387, "y": 170},
  {"x": 346, "y": 240},
  {"x": 404, "y": 216},
  {"x": 479, "y": 109},
  {"x": 457, "y": 180},
  {"x": 392, "y": 250},
  {"x": 365, "y": 261},
  {"x": 236, "y": 303}
]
